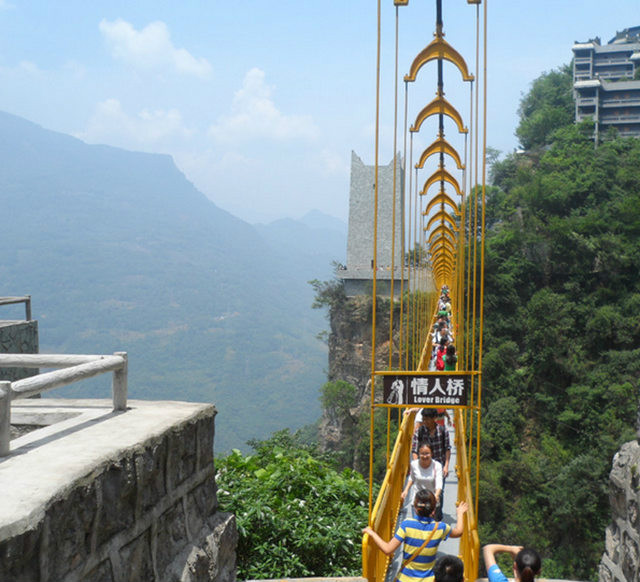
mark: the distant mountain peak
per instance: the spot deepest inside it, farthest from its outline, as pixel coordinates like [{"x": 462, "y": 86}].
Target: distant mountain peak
[{"x": 318, "y": 219}]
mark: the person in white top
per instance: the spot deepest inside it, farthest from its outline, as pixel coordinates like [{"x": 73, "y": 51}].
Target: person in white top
[{"x": 426, "y": 473}]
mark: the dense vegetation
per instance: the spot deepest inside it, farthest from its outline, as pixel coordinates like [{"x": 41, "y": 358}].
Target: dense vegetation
[
  {"x": 561, "y": 367},
  {"x": 296, "y": 514},
  {"x": 562, "y": 358}
]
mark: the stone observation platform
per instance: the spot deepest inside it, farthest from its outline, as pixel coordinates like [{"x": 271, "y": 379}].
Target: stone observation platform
[{"x": 98, "y": 494}]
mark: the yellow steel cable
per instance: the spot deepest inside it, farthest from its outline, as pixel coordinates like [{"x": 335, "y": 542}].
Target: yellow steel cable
[
  {"x": 460, "y": 296},
  {"x": 467, "y": 225},
  {"x": 475, "y": 227},
  {"x": 460, "y": 265},
  {"x": 475, "y": 233},
  {"x": 409, "y": 265},
  {"x": 484, "y": 174},
  {"x": 375, "y": 266},
  {"x": 402, "y": 233},
  {"x": 393, "y": 210},
  {"x": 416, "y": 213},
  {"x": 393, "y": 229}
]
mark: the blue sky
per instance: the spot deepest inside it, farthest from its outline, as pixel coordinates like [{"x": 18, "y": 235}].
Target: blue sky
[{"x": 260, "y": 103}]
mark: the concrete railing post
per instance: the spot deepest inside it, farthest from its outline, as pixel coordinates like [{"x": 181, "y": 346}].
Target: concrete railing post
[
  {"x": 5, "y": 418},
  {"x": 119, "y": 385},
  {"x": 27, "y": 307}
]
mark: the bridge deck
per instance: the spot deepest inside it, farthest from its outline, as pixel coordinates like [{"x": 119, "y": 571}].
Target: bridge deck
[{"x": 450, "y": 546}]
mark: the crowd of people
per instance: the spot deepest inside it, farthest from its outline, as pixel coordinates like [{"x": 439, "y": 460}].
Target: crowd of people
[
  {"x": 443, "y": 355},
  {"x": 421, "y": 533}
]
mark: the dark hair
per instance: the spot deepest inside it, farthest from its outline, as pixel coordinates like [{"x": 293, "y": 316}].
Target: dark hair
[
  {"x": 424, "y": 503},
  {"x": 451, "y": 354},
  {"x": 528, "y": 564},
  {"x": 425, "y": 444},
  {"x": 449, "y": 569}
]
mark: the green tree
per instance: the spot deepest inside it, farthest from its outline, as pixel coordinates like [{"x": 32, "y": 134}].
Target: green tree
[
  {"x": 546, "y": 107},
  {"x": 296, "y": 515},
  {"x": 561, "y": 364},
  {"x": 339, "y": 396}
]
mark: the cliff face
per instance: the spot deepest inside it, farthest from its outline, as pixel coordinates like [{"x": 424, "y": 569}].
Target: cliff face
[
  {"x": 621, "y": 560},
  {"x": 350, "y": 361}
]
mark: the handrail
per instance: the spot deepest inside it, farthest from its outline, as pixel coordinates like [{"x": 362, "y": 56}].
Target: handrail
[
  {"x": 75, "y": 368},
  {"x": 387, "y": 506},
  {"x": 26, "y": 299},
  {"x": 385, "y": 511},
  {"x": 470, "y": 541}
]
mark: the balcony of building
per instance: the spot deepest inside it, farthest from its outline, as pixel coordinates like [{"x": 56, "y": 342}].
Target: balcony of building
[
  {"x": 618, "y": 118},
  {"x": 611, "y": 102},
  {"x": 630, "y": 131},
  {"x": 585, "y": 117},
  {"x": 586, "y": 101},
  {"x": 617, "y": 59}
]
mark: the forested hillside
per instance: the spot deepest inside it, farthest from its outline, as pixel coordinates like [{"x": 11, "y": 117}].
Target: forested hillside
[
  {"x": 561, "y": 363},
  {"x": 121, "y": 252}
]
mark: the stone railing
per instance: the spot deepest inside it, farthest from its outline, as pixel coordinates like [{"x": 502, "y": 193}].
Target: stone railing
[
  {"x": 13, "y": 300},
  {"x": 75, "y": 368}
]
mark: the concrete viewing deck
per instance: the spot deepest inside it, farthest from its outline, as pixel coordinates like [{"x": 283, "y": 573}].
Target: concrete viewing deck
[
  {"x": 116, "y": 496},
  {"x": 76, "y": 437}
]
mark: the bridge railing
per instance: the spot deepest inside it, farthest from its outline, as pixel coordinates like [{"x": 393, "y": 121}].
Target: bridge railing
[
  {"x": 387, "y": 507},
  {"x": 470, "y": 541},
  {"x": 74, "y": 369}
]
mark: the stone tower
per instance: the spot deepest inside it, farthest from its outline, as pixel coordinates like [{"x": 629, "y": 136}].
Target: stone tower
[{"x": 358, "y": 273}]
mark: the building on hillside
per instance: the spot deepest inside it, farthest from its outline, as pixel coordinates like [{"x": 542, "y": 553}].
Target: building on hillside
[
  {"x": 358, "y": 273},
  {"x": 606, "y": 83}
]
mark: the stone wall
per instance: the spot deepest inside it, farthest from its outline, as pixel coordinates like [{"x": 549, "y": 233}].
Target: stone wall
[
  {"x": 621, "y": 560},
  {"x": 18, "y": 337},
  {"x": 146, "y": 514}
]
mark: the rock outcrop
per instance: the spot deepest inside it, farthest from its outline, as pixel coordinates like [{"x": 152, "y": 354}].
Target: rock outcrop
[
  {"x": 621, "y": 560},
  {"x": 350, "y": 361}
]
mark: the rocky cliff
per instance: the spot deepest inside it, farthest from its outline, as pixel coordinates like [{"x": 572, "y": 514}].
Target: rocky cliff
[
  {"x": 350, "y": 361},
  {"x": 621, "y": 560}
]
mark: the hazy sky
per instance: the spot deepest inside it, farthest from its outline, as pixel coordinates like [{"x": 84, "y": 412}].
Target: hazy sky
[{"x": 260, "y": 103}]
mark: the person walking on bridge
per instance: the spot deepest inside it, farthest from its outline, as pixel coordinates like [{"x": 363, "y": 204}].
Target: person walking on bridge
[
  {"x": 424, "y": 473},
  {"x": 420, "y": 537},
  {"x": 438, "y": 438}
]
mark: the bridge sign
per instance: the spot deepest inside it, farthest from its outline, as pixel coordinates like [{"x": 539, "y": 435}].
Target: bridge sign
[{"x": 428, "y": 388}]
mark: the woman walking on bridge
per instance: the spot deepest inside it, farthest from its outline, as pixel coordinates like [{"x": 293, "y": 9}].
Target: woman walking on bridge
[
  {"x": 425, "y": 473},
  {"x": 420, "y": 537}
]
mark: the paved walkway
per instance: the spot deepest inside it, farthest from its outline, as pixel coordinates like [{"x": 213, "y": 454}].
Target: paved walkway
[{"x": 450, "y": 546}]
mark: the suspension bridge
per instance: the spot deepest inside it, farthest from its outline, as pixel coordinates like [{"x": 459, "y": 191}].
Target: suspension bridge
[{"x": 441, "y": 201}]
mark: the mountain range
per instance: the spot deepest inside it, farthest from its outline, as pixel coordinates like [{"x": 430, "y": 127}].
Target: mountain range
[{"x": 120, "y": 252}]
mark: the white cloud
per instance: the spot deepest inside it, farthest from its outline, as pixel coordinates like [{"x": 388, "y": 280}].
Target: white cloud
[
  {"x": 335, "y": 163},
  {"x": 110, "y": 124},
  {"x": 150, "y": 48},
  {"x": 29, "y": 67},
  {"x": 255, "y": 115}
]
